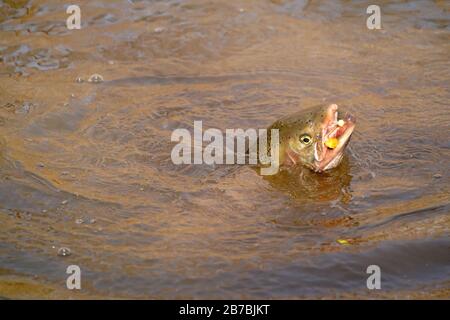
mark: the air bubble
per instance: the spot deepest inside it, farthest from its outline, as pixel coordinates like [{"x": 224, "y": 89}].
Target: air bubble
[
  {"x": 64, "y": 252},
  {"x": 95, "y": 78}
]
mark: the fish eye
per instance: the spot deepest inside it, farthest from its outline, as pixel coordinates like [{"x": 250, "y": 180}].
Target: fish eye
[{"x": 306, "y": 139}]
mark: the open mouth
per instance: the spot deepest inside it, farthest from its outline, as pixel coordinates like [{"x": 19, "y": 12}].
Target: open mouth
[{"x": 336, "y": 132}]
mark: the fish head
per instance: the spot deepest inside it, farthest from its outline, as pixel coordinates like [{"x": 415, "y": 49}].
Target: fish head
[{"x": 316, "y": 138}]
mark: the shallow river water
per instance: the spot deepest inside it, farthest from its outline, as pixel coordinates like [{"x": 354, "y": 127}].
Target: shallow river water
[{"x": 87, "y": 165}]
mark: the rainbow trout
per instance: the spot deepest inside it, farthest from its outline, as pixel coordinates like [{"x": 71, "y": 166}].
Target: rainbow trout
[{"x": 315, "y": 138}]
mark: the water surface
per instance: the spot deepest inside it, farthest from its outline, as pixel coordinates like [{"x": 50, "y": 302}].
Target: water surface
[{"x": 87, "y": 165}]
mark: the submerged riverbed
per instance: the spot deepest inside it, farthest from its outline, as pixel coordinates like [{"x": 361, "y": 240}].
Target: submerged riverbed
[{"x": 86, "y": 166}]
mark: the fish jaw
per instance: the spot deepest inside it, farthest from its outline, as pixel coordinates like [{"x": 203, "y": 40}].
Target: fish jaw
[{"x": 326, "y": 158}]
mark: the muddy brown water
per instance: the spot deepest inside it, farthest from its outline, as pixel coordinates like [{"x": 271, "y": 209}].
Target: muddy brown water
[{"x": 87, "y": 165}]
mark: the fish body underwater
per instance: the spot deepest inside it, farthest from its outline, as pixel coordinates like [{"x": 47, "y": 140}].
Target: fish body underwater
[{"x": 315, "y": 137}]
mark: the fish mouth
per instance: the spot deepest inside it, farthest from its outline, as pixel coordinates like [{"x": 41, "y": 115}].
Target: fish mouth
[{"x": 337, "y": 130}]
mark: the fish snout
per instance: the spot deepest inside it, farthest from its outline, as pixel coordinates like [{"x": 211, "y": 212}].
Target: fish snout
[{"x": 336, "y": 132}]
